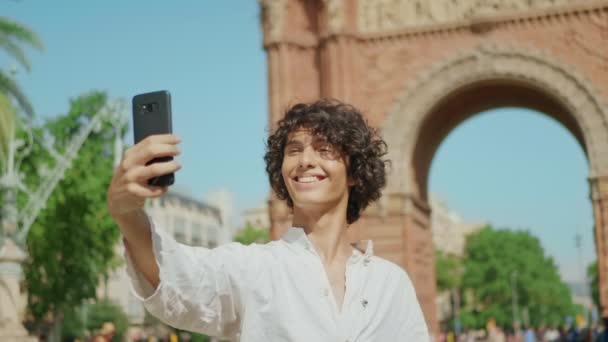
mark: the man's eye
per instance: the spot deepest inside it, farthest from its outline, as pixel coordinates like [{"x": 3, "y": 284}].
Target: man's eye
[{"x": 328, "y": 152}]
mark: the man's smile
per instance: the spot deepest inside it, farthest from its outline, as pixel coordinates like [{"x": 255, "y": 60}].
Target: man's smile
[{"x": 309, "y": 179}]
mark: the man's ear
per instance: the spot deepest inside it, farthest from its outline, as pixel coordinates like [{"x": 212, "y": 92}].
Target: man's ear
[{"x": 351, "y": 182}]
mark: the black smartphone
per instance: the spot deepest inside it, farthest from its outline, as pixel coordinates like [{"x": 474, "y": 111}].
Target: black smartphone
[{"x": 152, "y": 115}]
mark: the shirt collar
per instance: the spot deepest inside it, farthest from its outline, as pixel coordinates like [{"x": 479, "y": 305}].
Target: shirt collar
[{"x": 297, "y": 236}]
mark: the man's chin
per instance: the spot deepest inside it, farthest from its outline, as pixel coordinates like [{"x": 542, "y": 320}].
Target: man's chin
[{"x": 309, "y": 204}]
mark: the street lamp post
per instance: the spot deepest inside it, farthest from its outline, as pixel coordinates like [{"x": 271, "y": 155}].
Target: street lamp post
[{"x": 15, "y": 223}]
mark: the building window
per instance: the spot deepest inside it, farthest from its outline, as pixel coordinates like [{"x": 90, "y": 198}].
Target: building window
[
  {"x": 197, "y": 234},
  {"x": 179, "y": 229}
]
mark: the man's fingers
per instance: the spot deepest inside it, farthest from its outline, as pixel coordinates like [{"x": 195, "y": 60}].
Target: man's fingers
[
  {"x": 141, "y": 154},
  {"x": 146, "y": 190},
  {"x": 141, "y": 173},
  {"x": 156, "y": 139},
  {"x": 161, "y": 139}
]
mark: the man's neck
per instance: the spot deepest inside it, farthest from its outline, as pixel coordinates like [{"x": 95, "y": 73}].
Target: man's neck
[{"x": 327, "y": 232}]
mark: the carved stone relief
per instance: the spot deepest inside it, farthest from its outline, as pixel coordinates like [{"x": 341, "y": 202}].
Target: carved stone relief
[
  {"x": 380, "y": 15},
  {"x": 379, "y": 67},
  {"x": 579, "y": 40},
  {"x": 335, "y": 15},
  {"x": 273, "y": 16}
]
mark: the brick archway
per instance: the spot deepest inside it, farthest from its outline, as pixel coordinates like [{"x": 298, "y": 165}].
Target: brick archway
[
  {"x": 419, "y": 68},
  {"x": 486, "y": 77}
]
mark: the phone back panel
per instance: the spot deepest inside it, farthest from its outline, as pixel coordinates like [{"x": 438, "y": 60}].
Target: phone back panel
[{"x": 151, "y": 114}]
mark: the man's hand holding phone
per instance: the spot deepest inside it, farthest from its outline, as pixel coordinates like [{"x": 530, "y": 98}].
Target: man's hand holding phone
[
  {"x": 129, "y": 187},
  {"x": 146, "y": 170}
]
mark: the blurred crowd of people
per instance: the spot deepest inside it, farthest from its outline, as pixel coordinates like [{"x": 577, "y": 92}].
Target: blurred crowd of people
[{"x": 595, "y": 333}]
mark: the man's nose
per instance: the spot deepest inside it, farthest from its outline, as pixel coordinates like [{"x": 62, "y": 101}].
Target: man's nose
[{"x": 308, "y": 158}]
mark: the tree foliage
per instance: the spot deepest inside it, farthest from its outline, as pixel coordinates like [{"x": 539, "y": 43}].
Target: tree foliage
[
  {"x": 73, "y": 324},
  {"x": 249, "y": 235},
  {"x": 448, "y": 270},
  {"x": 106, "y": 311},
  {"x": 71, "y": 243},
  {"x": 13, "y": 37},
  {"x": 594, "y": 283},
  {"x": 496, "y": 259}
]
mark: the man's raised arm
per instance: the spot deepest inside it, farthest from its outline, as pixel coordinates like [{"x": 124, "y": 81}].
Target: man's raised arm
[{"x": 127, "y": 194}]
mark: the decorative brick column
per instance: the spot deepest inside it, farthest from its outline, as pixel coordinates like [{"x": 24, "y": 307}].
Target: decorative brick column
[{"x": 599, "y": 199}]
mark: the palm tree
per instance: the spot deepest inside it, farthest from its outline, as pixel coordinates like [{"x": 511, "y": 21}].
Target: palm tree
[
  {"x": 13, "y": 36},
  {"x": 8, "y": 117}
]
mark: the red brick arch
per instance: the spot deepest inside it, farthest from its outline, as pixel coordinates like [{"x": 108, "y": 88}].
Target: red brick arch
[
  {"x": 418, "y": 69},
  {"x": 488, "y": 77}
]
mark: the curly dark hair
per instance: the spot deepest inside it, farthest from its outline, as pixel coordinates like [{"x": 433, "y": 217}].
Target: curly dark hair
[{"x": 344, "y": 127}]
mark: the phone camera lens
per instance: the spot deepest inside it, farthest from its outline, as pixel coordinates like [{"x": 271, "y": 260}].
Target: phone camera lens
[{"x": 148, "y": 108}]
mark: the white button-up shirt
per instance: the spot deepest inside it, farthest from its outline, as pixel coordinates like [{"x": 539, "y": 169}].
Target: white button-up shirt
[{"x": 278, "y": 291}]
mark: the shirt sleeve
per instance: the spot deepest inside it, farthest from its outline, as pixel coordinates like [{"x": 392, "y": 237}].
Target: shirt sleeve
[
  {"x": 413, "y": 325},
  {"x": 200, "y": 289}
]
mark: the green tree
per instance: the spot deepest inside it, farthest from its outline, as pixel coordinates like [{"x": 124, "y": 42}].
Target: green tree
[
  {"x": 491, "y": 258},
  {"x": 448, "y": 273},
  {"x": 249, "y": 235},
  {"x": 71, "y": 243},
  {"x": 195, "y": 337},
  {"x": 73, "y": 323},
  {"x": 13, "y": 37},
  {"x": 448, "y": 269},
  {"x": 594, "y": 283},
  {"x": 106, "y": 311}
]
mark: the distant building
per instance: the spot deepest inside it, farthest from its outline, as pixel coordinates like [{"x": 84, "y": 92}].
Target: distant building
[
  {"x": 257, "y": 217},
  {"x": 189, "y": 221},
  {"x": 449, "y": 228},
  {"x": 223, "y": 199}
]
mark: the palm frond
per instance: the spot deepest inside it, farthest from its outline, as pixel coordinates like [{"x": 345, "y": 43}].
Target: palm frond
[
  {"x": 9, "y": 87},
  {"x": 14, "y": 50},
  {"x": 7, "y": 121},
  {"x": 20, "y": 32}
]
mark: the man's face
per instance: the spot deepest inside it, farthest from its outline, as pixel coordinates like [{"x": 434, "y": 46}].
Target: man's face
[{"x": 314, "y": 171}]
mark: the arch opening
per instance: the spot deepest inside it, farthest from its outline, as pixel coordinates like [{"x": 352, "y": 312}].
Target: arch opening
[{"x": 467, "y": 102}]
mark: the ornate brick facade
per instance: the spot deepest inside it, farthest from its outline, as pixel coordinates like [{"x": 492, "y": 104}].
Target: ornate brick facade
[{"x": 420, "y": 68}]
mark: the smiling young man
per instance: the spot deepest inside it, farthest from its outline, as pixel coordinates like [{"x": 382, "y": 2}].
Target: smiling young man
[{"x": 312, "y": 284}]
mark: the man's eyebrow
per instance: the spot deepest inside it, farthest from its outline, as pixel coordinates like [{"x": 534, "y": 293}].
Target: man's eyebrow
[
  {"x": 321, "y": 140},
  {"x": 293, "y": 142}
]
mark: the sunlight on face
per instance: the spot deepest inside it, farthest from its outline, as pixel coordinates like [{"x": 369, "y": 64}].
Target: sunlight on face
[{"x": 314, "y": 171}]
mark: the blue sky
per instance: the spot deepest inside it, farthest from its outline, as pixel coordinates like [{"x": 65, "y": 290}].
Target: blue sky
[{"x": 511, "y": 167}]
